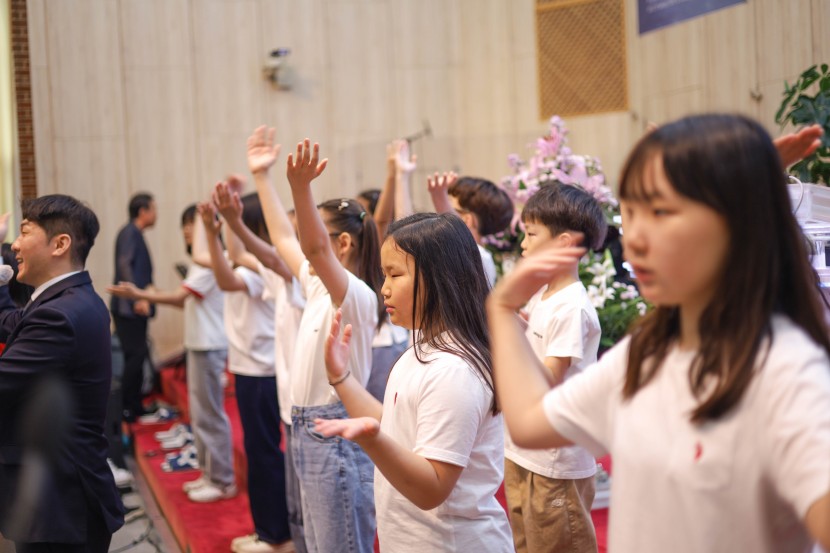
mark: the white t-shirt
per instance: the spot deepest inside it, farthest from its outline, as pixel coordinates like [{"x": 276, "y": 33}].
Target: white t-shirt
[
  {"x": 489, "y": 264},
  {"x": 288, "y": 310},
  {"x": 249, "y": 324},
  {"x": 742, "y": 483},
  {"x": 563, "y": 325},
  {"x": 309, "y": 383},
  {"x": 204, "y": 326},
  {"x": 441, "y": 410}
]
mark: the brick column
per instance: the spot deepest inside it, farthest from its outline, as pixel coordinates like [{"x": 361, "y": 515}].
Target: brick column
[{"x": 23, "y": 98}]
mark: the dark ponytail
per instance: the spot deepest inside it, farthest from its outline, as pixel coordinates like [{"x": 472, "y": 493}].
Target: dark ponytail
[{"x": 348, "y": 216}]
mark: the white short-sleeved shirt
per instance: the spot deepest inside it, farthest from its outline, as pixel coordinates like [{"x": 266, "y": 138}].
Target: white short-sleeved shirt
[
  {"x": 249, "y": 324},
  {"x": 441, "y": 410},
  {"x": 489, "y": 264},
  {"x": 288, "y": 310},
  {"x": 204, "y": 325},
  {"x": 309, "y": 383},
  {"x": 741, "y": 483},
  {"x": 562, "y": 325}
]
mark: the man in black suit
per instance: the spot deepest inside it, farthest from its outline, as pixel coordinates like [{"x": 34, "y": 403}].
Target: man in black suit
[
  {"x": 63, "y": 336},
  {"x": 133, "y": 264}
]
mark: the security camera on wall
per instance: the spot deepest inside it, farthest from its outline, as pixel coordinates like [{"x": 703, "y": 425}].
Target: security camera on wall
[{"x": 276, "y": 70}]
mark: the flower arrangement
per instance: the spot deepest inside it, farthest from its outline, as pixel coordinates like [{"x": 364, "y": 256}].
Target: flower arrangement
[{"x": 616, "y": 299}]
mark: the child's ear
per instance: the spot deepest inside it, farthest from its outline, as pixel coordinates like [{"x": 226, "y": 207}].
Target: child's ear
[
  {"x": 569, "y": 239},
  {"x": 344, "y": 242}
]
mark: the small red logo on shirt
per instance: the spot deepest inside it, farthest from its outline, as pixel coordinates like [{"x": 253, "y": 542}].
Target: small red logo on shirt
[{"x": 698, "y": 451}]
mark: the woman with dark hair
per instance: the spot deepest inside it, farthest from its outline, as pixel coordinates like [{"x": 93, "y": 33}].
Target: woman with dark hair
[{"x": 716, "y": 408}]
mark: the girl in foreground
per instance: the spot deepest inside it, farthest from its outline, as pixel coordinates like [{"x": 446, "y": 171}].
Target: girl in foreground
[
  {"x": 716, "y": 408},
  {"x": 437, "y": 439}
]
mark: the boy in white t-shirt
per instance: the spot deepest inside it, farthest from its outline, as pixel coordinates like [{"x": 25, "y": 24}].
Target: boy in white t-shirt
[
  {"x": 206, "y": 346},
  {"x": 549, "y": 492},
  {"x": 484, "y": 207}
]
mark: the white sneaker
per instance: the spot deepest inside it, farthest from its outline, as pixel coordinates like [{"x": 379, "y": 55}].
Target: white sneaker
[
  {"x": 188, "y": 487},
  {"x": 123, "y": 477},
  {"x": 211, "y": 492},
  {"x": 236, "y": 542},
  {"x": 259, "y": 546},
  {"x": 177, "y": 442},
  {"x": 172, "y": 432}
]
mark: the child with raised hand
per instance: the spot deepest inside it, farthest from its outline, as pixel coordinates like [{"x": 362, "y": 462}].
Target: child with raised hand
[
  {"x": 337, "y": 264},
  {"x": 395, "y": 201},
  {"x": 250, "y": 234},
  {"x": 484, "y": 207},
  {"x": 549, "y": 492},
  {"x": 249, "y": 325},
  {"x": 437, "y": 439},
  {"x": 716, "y": 407}
]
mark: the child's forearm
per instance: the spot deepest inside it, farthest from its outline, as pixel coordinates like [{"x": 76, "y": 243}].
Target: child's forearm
[
  {"x": 226, "y": 278},
  {"x": 520, "y": 380},
  {"x": 358, "y": 401},
  {"x": 175, "y": 297},
  {"x": 425, "y": 483},
  {"x": 279, "y": 226}
]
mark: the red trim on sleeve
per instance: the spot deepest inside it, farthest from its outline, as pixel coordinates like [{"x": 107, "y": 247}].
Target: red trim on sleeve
[{"x": 192, "y": 291}]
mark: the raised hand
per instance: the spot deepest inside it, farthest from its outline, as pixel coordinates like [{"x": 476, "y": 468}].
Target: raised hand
[
  {"x": 531, "y": 273},
  {"x": 794, "y": 147},
  {"x": 262, "y": 152},
  {"x": 404, "y": 162},
  {"x": 337, "y": 349},
  {"x": 439, "y": 184},
  {"x": 357, "y": 429},
  {"x": 306, "y": 165},
  {"x": 208, "y": 213},
  {"x": 227, "y": 203},
  {"x": 236, "y": 183}
]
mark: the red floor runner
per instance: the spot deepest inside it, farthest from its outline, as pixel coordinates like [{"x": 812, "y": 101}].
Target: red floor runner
[{"x": 209, "y": 528}]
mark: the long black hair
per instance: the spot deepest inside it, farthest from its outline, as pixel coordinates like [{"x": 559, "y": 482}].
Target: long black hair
[
  {"x": 348, "y": 216},
  {"x": 729, "y": 164},
  {"x": 450, "y": 288}
]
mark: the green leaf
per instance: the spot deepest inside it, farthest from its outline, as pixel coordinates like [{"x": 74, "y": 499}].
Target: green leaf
[{"x": 824, "y": 68}]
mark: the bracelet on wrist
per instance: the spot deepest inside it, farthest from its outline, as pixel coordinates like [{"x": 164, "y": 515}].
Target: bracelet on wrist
[{"x": 341, "y": 379}]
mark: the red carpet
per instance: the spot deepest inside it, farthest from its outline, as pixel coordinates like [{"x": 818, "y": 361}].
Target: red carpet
[{"x": 209, "y": 528}]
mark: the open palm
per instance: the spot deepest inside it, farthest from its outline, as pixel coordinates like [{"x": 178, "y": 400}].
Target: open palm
[
  {"x": 262, "y": 152},
  {"x": 351, "y": 429},
  {"x": 337, "y": 349}
]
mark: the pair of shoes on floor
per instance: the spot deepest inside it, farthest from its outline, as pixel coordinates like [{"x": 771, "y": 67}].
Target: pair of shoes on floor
[
  {"x": 163, "y": 414},
  {"x": 123, "y": 477},
  {"x": 252, "y": 544},
  {"x": 173, "y": 432},
  {"x": 209, "y": 492},
  {"x": 184, "y": 460}
]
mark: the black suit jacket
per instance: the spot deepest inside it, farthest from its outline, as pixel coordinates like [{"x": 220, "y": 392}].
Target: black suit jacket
[
  {"x": 65, "y": 332},
  {"x": 132, "y": 264}
]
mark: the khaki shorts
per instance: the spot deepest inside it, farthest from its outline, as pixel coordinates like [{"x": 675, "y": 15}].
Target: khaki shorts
[{"x": 548, "y": 514}]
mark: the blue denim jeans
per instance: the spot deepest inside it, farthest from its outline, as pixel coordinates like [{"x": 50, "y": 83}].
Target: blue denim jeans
[
  {"x": 292, "y": 496},
  {"x": 336, "y": 485}
]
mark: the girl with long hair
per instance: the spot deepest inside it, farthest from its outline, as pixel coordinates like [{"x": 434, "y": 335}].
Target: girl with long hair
[
  {"x": 437, "y": 440},
  {"x": 716, "y": 407},
  {"x": 336, "y": 262}
]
